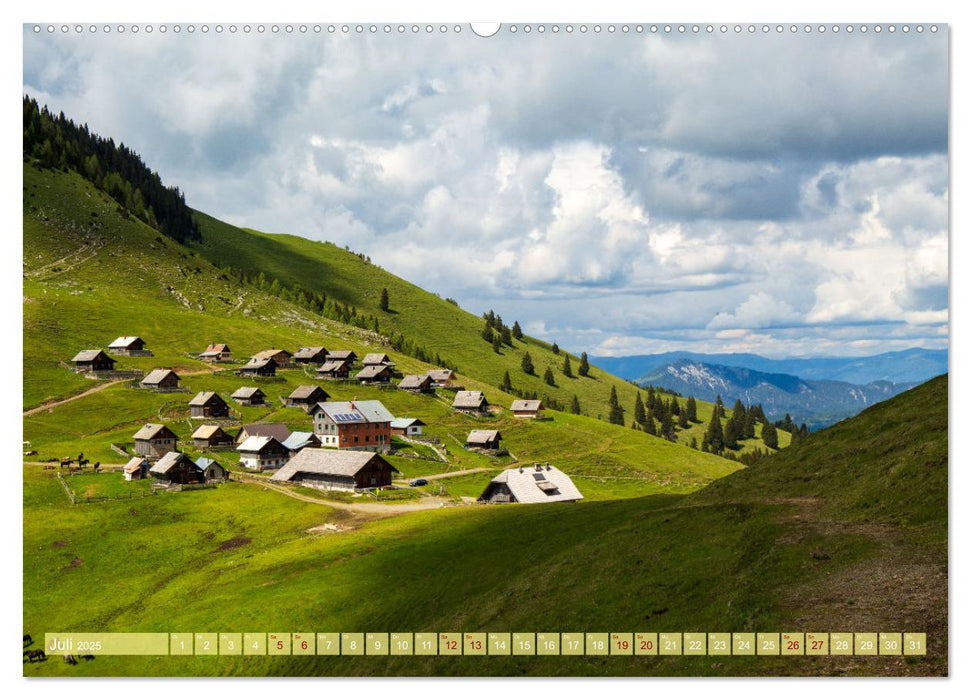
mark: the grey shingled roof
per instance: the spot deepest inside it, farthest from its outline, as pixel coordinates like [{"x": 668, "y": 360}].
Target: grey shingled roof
[
  {"x": 157, "y": 375},
  {"x": 441, "y": 375},
  {"x": 304, "y": 391},
  {"x": 170, "y": 460},
  {"x": 202, "y": 398},
  {"x": 372, "y": 411},
  {"x": 375, "y": 358},
  {"x": 246, "y": 392},
  {"x": 414, "y": 381},
  {"x": 309, "y": 351},
  {"x": 402, "y": 423},
  {"x": 204, "y": 432},
  {"x": 526, "y": 488},
  {"x": 124, "y": 341},
  {"x": 275, "y": 430},
  {"x": 372, "y": 372},
  {"x": 469, "y": 399},
  {"x": 149, "y": 431},
  {"x": 333, "y": 365},
  {"x": 477, "y": 436},
  {"x": 86, "y": 356},
  {"x": 317, "y": 460},
  {"x": 526, "y": 405}
]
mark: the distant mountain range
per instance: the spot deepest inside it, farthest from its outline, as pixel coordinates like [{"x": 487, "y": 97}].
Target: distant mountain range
[
  {"x": 815, "y": 402},
  {"x": 914, "y": 365}
]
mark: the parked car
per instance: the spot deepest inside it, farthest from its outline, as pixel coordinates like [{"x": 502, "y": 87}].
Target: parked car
[{"x": 418, "y": 482}]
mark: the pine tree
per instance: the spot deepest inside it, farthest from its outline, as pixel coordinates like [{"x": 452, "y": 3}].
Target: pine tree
[
  {"x": 567, "y": 367},
  {"x": 719, "y": 407},
  {"x": 667, "y": 428},
  {"x": 694, "y": 443},
  {"x": 649, "y": 426},
  {"x": 770, "y": 436},
  {"x": 548, "y": 377},
  {"x": 640, "y": 416},
  {"x": 613, "y": 397},
  {"x": 575, "y": 405},
  {"x": 683, "y": 419},
  {"x": 555, "y": 348},
  {"x": 487, "y": 332},
  {"x": 517, "y": 332},
  {"x": 384, "y": 299},
  {"x": 675, "y": 407},
  {"x": 497, "y": 343},
  {"x": 506, "y": 336},
  {"x": 748, "y": 430},
  {"x": 506, "y": 384},
  {"x": 584, "y": 369},
  {"x": 527, "y": 364},
  {"x": 714, "y": 435},
  {"x": 616, "y": 415},
  {"x": 731, "y": 433},
  {"x": 738, "y": 411}
]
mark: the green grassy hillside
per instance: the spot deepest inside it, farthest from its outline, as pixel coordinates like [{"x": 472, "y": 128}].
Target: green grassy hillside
[{"x": 812, "y": 539}]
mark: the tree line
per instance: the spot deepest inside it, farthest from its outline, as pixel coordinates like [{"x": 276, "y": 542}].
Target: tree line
[{"x": 56, "y": 142}]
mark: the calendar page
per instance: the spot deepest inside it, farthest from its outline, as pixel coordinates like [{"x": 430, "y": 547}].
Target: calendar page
[{"x": 519, "y": 349}]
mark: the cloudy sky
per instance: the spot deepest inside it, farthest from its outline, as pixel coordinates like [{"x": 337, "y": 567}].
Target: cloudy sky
[{"x": 621, "y": 194}]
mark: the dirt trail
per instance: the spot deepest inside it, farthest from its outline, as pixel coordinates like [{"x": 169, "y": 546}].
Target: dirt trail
[
  {"x": 449, "y": 475},
  {"x": 374, "y": 509},
  {"x": 87, "y": 392}
]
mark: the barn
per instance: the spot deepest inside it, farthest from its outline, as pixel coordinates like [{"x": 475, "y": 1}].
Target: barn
[
  {"x": 216, "y": 352},
  {"x": 258, "y": 368},
  {"x": 160, "y": 380},
  {"x": 281, "y": 357},
  {"x": 130, "y": 345},
  {"x": 154, "y": 440},
  {"x": 416, "y": 384},
  {"x": 337, "y": 470},
  {"x": 543, "y": 483},
  {"x": 312, "y": 355},
  {"x": 212, "y": 470},
  {"x": 208, "y": 404},
  {"x": 208, "y": 436},
  {"x": 348, "y": 356},
  {"x": 527, "y": 408},
  {"x": 470, "y": 402},
  {"x": 483, "y": 440},
  {"x": 261, "y": 452},
  {"x": 137, "y": 468},
  {"x": 249, "y": 396},
  {"x": 92, "y": 361},
  {"x": 334, "y": 369},
  {"x": 307, "y": 396},
  {"x": 376, "y": 358},
  {"x": 374, "y": 374},
  {"x": 177, "y": 468},
  {"x": 407, "y": 426},
  {"x": 441, "y": 377}
]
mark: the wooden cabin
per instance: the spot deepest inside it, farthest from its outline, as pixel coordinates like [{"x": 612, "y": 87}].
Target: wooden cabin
[
  {"x": 334, "y": 369},
  {"x": 470, "y": 402},
  {"x": 416, "y": 384},
  {"x": 353, "y": 425},
  {"x": 348, "y": 356},
  {"x": 376, "y": 358},
  {"x": 208, "y": 404},
  {"x": 216, "y": 352},
  {"x": 249, "y": 396},
  {"x": 258, "y": 368},
  {"x": 300, "y": 440},
  {"x": 336, "y": 470},
  {"x": 93, "y": 361},
  {"x": 160, "y": 380},
  {"x": 541, "y": 483},
  {"x": 408, "y": 427},
  {"x": 276, "y": 430},
  {"x": 483, "y": 440},
  {"x": 130, "y": 345},
  {"x": 313, "y": 355},
  {"x": 136, "y": 469},
  {"x": 527, "y": 408},
  {"x": 212, "y": 470},
  {"x": 374, "y": 374},
  {"x": 177, "y": 468},
  {"x": 307, "y": 396},
  {"x": 262, "y": 452},
  {"x": 208, "y": 436},
  {"x": 154, "y": 440},
  {"x": 441, "y": 377},
  {"x": 281, "y": 357}
]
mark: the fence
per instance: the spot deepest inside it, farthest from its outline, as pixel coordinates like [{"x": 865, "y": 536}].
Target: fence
[{"x": 122, "y": 448}]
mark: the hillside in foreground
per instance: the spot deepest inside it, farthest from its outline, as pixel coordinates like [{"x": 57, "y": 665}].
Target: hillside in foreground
[{"x": 847, "y": 531}]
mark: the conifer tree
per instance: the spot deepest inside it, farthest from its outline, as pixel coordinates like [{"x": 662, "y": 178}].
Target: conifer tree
[
  {"x": 613, "y": 397},
  {"x": 567, "y": 367},
  {"x": 748, "y": 430},
  {"x": 683, "y": 419},
  {"x": 584, "y": 369},
  {"x": 714, "y": 435},
  {"x": 496, "y": 343},
  {"x": 667, "y": 427},
  {"x": 506, "y": 384},
  {"x": 384, "y": 299},
  {"x": 555, "y": 348},
  {"x": 640, "y": 416},
  {"x": 575, "y": 406},
  {"x": 517, "y": 332},
  {"x": 548, "y": 377},
  {"x": 487, "y": 332},
  {"x": 527, "y": 364},
  {"x": 719, "y": 407},
  {"x": 649, "y": 426},
  {"x": 731, "y": 433},
  {"x": 506, "y": 336},
  {"x": 770, "y": 436}
]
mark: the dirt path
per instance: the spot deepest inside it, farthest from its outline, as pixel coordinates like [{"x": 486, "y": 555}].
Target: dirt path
[
  {"x": 87, "y": 392},
  {"x": 448, "y": 475},
  {"x": 374, "y": 509}
]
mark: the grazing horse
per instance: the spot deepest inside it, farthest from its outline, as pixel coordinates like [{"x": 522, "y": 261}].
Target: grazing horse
[
  {"x": 28, "y": 640},
  {"x": 69, "y": 658},
  {"x": 97, "y": 467},
  {"x": 66, "y": 462},
  {"x": 35, "y": 655},
  {"x": 82, "y": 462}
]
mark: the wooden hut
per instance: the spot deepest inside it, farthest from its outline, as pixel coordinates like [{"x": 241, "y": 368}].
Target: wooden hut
[
  {"x": 527, "y": 408},
  {"x": 208, "y": 404},
  {"x": 212, "y": 470},
  {"x": 483, "y": 440},
  {"x": 262, "y": 452},
  {"x": 249, "y": 396},
  {"x": 312, "y": 355},
  {"x": 470, "y": 402},
  {"x": 334, "y": 369},
  {"x": 336, "y": 470},
  {"x": 374, "y": 374},
  {"x": 93, "y": 361},
  {"x": 177, "y": 468},
  {"x": 216, "y": 352},
  {"x": 416, "y": 384},
  {"x": 136, "y": 468},
  {"x": 160, "y": 380},
  {"x": 542, "y": 483},
  {"x": 154, "y": 440},
  {"x": 307, "y": 396},
  {"x": 408, "y": 427},
  {"x": 130, "y": 345},
  {"x": 208, "y": 436}
]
